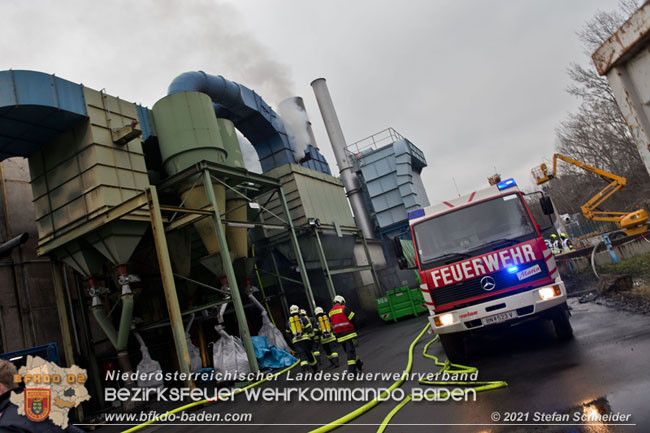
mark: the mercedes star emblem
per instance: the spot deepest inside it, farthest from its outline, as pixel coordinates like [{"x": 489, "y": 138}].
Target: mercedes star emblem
[{"x": 488, "y": 283}]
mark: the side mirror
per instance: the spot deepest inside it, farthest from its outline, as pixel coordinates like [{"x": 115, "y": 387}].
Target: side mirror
[{"x": 546, "y": 205}]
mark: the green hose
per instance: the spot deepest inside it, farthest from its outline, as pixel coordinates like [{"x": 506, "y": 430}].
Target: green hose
[{"x": 199, "y": 403}]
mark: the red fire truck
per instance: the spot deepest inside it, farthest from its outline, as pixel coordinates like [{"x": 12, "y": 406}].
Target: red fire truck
[{"x": 483, "y": 262}]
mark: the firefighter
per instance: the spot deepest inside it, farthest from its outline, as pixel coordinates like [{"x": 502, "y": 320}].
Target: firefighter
[
  {"x": 300, "y": 329},
  {"x": 555, "y": 242},
  {"x": 341, "y": 318},
  {"x": 567, "y": 245},
  {"x": 312, "y": 334},
  {"x": 325, "y": 336}
]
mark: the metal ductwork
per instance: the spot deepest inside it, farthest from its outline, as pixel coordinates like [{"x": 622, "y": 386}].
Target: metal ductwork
[
  {"x": 247, "y": 110},
  {"x": 350, "y": 179},
  {"x": 6, "y": 247}
]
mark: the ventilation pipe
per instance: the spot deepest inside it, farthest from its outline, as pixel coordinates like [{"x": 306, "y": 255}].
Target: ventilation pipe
[{"x": 350, "y": 179}]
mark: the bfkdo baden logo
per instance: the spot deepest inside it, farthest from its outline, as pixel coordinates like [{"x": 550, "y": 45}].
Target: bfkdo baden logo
[
  {"x": 37, "y": 404},
  {"x": 50, "y": 392}
]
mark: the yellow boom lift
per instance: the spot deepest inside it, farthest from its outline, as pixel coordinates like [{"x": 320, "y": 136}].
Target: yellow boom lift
[{"x": 631, "y": 222}]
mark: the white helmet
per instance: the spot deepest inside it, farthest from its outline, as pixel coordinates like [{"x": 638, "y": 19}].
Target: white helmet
[
  {"x": 294, "y": 309},
  {"x": 318, "y": 310},
  {"x": 303, "y": 312},
  {"x": 338, "y": 299}
]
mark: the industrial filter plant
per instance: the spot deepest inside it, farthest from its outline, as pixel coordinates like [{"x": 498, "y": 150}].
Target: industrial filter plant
[{"x": 153, "y": 223}]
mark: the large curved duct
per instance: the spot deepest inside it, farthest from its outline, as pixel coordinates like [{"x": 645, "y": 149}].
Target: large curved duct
[{"x": 247, "y": 110}]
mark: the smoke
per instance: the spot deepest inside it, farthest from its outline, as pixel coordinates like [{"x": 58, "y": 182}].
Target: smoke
[
  {"x": 295, "y": 120},
  {"x": 251, "y": 159},
  {"x": 135, "y": 48}
]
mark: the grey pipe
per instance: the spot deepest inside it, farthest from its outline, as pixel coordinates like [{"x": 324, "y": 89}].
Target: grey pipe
[
  {"x": 6, "y": 247},
  {"x": 350, "y": 179}
]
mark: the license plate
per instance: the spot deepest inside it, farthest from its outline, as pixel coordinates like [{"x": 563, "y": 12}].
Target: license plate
[{"x": 498, "y": 318}]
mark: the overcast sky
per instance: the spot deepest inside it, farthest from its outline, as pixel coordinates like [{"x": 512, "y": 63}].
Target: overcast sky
[{"x": 475, "y": 85}]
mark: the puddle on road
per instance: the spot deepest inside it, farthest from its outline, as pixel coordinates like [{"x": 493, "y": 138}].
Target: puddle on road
[{"x": 633, "y": 401}]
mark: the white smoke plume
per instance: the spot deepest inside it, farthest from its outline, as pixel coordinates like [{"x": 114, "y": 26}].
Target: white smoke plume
[
  {"x": 154, "y": 40},
  {"x": 295, "y": 122},
  {"x": 251, "y": 159}
]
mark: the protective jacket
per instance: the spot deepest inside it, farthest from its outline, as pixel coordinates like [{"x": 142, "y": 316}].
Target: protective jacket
[{"x": 341, "y": 319}]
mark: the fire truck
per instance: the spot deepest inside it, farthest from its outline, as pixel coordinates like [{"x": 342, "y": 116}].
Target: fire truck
[{"x": 483, "y": 264}]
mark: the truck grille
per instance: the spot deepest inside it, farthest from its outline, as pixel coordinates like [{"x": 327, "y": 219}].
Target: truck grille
[{"x": 471, "y": 288}]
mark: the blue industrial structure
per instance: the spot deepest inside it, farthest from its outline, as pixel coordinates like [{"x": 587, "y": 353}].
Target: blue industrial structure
[
  {"x": 389, "y": 168},
  {"x": 34, "y": 109}
]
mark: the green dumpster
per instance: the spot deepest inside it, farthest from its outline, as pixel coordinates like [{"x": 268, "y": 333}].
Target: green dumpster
[{"x": 400, "y": 302}]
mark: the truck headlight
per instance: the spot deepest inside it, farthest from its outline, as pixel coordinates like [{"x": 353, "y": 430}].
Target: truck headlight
[
  {"x": 444, "y": 320},
  {"x": 551, "y": 292}
]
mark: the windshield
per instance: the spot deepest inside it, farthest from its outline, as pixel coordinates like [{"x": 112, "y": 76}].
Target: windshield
[{"x": 491, "y": 224}]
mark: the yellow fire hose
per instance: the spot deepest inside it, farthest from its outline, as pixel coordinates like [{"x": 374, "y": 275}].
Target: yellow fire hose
[
  {"x": 460, "y": 369},
  {"x": 446, "y": 367},
  {"x": 199, "y": 403},
  {"x": 372, "y": 403}
]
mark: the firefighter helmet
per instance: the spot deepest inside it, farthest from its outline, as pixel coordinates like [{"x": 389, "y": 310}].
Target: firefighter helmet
[
  {"x": 338, "y": 299},
  {"x": 294, "y": 309},
  {"x": 303, "y": 312},
  {"x": 553, "y": 235},
  {"x": 563, "y": 235},
  {"x": 318, "y": 310}
]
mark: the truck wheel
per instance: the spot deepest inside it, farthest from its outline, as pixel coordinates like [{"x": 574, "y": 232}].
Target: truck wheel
[
  {"x": 561, "y": 323},
  {"x": 454, "y": 346}
]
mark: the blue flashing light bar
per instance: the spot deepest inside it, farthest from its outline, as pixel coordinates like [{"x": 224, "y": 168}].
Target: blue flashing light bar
[
  {"x": 417, "y": 213},
  {"x": 505, "y": 184},
  {"x": 513, "y": 269}
]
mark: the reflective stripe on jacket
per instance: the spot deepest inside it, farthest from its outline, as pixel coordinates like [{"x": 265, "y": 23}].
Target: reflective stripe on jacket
[{"x": 341, "y": 323}]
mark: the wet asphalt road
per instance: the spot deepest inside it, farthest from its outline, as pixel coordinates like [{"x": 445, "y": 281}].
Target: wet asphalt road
[{"x": 604, "y": 369}]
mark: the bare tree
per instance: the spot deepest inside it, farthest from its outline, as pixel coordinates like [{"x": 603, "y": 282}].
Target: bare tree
[{"x": 597, "y": 133}]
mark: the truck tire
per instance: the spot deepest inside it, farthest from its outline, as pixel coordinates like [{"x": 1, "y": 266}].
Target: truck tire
[
  {"x": 454, "y": 346},
  {"x": 561, "y": 323}
]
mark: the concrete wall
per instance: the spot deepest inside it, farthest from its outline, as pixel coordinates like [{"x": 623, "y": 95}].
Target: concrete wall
[
  {"x": 28, "y": 315},
  {"x": 624, "y": 250}
]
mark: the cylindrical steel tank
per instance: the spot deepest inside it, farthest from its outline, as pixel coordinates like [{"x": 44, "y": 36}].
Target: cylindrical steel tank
[{"x": 189, "y": 132}]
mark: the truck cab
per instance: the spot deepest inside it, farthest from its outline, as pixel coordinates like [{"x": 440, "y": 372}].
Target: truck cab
[{"x": 483, "y": 262}]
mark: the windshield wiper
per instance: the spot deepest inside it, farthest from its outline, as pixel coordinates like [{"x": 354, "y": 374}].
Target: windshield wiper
[
  {"x": 500, "y": 241},
  {"x": 450, "y": 256}
]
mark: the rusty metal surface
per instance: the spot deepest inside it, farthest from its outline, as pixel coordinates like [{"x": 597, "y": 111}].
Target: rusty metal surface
[{"x": 630, "y": 38}]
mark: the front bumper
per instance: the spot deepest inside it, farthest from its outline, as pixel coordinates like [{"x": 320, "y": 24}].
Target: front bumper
[{"x": 524, "y": 304}]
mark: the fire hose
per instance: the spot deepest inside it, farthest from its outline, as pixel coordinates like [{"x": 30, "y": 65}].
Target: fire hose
[
  {"x": 482, "y": 386},
  {"x": 445, "y": 367}
]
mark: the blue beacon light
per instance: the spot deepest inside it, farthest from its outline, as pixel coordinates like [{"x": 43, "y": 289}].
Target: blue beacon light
[{"x": 505, "y": 184}]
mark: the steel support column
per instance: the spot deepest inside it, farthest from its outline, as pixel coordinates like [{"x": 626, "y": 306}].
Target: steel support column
[
  {"x": 326, "y": 269},
  {"x": 230, "y": 274},
  {"x": 296, "y": 249},
  {"x": 169, "y": 286},
  {"x": 283, "y": 298},
  {"x": 57, "y": 283}
]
